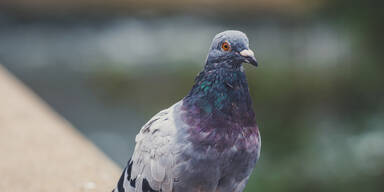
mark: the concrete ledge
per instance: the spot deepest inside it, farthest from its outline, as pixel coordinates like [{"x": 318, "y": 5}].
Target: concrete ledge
[{"x": 40, "y": 151}]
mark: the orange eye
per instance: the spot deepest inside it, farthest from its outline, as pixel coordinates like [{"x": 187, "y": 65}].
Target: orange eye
[{"x": 225, "y": 46}]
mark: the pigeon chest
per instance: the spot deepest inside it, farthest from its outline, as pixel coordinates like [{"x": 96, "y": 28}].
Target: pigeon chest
[{"x": 208, "y": 164}]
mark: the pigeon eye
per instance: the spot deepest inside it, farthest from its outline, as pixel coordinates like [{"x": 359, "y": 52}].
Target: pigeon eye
[{"x": 226, "y": 46}]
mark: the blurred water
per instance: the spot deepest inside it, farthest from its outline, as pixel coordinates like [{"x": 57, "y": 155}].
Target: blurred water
[{"x": 84, "y": 45}]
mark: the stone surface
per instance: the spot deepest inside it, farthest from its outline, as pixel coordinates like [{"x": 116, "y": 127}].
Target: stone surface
[{"x": 40, "y": 151}]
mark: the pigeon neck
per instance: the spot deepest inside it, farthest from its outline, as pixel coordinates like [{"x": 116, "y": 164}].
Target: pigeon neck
[{"x": 221, "y": 98}]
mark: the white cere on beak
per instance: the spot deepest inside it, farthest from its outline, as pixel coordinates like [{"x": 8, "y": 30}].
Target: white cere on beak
[{"x": 247, "y": 53}]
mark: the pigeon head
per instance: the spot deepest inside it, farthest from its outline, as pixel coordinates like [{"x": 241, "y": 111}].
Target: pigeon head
[
  {"x": 229, "y": 49},
  {"x": 219, "y": 98}
]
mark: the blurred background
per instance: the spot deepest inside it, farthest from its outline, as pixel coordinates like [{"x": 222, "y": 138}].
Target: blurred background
[{"x": 108, "y": 66}]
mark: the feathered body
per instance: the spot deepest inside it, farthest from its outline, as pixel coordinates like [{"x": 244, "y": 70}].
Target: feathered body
[{"x": 207, "y": 142}]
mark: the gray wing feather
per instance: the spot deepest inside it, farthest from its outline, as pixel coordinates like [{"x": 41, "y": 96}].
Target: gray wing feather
[{"x": 153, "y": 158}]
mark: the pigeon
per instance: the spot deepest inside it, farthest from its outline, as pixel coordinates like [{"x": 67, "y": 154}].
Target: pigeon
[{"x": 207, "y": 142}]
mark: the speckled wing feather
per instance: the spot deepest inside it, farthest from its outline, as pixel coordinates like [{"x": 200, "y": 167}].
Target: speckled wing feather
[{"x": 150, "y": 168}]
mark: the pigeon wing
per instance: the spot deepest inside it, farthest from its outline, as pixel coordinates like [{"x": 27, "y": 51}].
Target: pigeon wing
[{"x": 150, "y": 168}]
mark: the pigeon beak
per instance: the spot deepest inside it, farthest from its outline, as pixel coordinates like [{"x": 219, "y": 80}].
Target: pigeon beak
[{"x": 249, "y": 57}]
